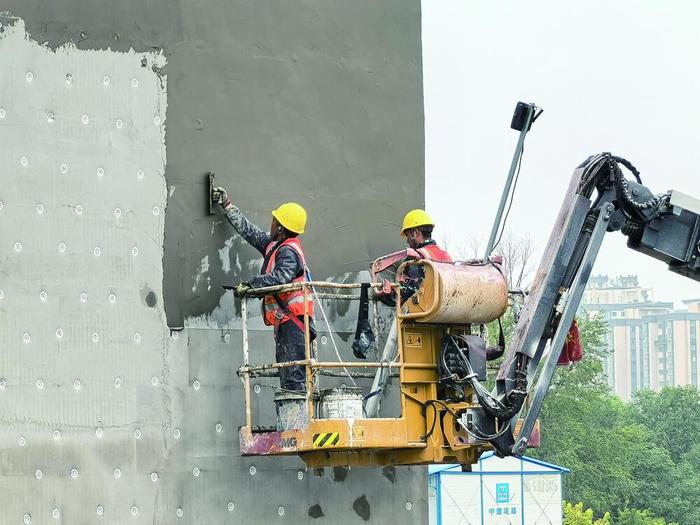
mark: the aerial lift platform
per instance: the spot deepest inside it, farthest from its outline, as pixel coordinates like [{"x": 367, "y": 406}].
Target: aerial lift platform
[
  {"x": 452, "y": 299},
  {"x": 447, "y": 414}
]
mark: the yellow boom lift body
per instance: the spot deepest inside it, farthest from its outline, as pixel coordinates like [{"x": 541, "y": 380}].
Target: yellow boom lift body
[{"x": 452, "y": 297}]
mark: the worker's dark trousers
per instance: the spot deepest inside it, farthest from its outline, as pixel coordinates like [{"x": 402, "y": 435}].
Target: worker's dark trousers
[{"x": 289, "y": 346}]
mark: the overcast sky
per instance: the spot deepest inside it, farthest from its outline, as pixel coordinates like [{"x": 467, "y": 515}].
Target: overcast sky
[{"x": 619, "y": 76}]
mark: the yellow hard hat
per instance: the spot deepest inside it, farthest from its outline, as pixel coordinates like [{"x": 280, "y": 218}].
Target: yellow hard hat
[
  {"x": 292, "y": 216},
  {"x": 415, "y": 219}
]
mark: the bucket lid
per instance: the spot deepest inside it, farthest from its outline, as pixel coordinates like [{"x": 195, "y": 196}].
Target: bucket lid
[
  {"x": 290, "y": 396},
  {"x": 342, "y": 390}
]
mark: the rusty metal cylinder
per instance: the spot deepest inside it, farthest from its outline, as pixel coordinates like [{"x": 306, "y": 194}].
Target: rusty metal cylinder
[{"x": 457, "y": 293}]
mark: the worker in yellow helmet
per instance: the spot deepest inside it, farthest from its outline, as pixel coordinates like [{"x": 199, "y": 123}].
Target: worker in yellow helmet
[
  {"x": 417, "y": 228},
  {"x": 283, "y": 263}
]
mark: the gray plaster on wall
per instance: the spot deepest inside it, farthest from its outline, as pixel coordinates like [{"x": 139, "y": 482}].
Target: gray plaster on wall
[{"x": 314, "y": 101}]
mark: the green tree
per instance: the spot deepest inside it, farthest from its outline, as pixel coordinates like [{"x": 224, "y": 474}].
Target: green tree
[
  {"x": 670, "y": 476},
  {"x": 692, "y": 457},
  {"x": 615, "y": 461},
  {"x": 581, "y": 428},
  {"x": 622, "y": 456},
  {"x": 578, "y": 515},
  {"x": 672, "y": 415},
  {"x": 639, "y": 517},
  {"x": 666, "y": 488}
]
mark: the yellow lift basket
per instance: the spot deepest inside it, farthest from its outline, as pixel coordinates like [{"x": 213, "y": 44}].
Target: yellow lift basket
[{"x": 452, "y": 298}]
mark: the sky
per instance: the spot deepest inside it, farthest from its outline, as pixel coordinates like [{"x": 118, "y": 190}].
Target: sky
[{"x": 619, "y": 76}]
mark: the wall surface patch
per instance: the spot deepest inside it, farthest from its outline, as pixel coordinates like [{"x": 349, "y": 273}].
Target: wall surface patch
[{"x": 81, "y": 175}]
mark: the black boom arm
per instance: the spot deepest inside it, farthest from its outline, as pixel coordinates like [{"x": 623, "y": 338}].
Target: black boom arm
[{"x": 599, "y": 200}]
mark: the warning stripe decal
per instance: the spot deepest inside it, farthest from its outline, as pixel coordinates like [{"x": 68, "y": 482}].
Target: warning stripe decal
[{"x": 326, "y": 439}]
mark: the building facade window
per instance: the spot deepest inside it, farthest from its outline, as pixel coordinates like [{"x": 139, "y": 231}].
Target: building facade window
[
  {"x": 661, "y": 352},
  {"x": 609, "y": 363},
  {"x": 644, "y": 340},
  {"x": 634, "y": 359}
]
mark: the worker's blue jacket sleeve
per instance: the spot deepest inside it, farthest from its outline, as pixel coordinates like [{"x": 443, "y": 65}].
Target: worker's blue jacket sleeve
[
  {"x": 253, "y": 235},
  {"x": 287, "y": 263}
]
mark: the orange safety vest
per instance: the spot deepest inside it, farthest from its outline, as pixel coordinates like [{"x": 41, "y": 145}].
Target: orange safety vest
[
  {"x": 275, "y": 314},
  {"x": 434, "y": 253}
]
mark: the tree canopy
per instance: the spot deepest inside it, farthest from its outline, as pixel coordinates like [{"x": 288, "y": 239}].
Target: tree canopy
[{"x": 634, "y": 463}]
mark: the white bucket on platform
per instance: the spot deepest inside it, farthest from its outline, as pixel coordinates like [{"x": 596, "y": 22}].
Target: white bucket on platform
[
  {"x": 292, "y": 410},
  {"x": 342, "y": 403}
]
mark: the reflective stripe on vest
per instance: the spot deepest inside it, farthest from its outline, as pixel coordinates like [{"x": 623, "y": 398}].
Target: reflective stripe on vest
[
  {"x": 273, "y": 314},
  {"x": 434, "y": 253}
]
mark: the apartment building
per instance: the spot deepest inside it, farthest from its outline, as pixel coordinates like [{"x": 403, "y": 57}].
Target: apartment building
[{"x": 652, "y": 344}]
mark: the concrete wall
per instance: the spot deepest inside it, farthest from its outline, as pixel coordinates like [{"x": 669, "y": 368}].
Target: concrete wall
[{"x": 111, "y": 114}]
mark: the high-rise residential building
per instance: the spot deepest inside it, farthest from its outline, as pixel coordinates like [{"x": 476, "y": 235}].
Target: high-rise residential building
[{"x": 651, "y": 344}]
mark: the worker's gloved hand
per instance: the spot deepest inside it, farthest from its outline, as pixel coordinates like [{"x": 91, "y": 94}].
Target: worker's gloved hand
[
  {"x": 220, "y": 196},
  {"x": 241, "y": 290}
]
